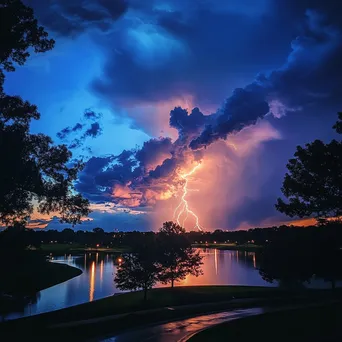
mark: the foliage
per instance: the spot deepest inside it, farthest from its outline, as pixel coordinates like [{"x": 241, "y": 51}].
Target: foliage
[
  {"x": 328, "y": 253},
  {"x": 176, "y": 256},
  {"x": 300, "y": 254},
  {"x": 139, "y": 269},
  {"x": 313, "y": 184},
  {"x": 338, "y": 124},
  {"x": 19, "y": 32},
  {"x": 36, "y": 173},
  {"x": 287, "y": 260}
]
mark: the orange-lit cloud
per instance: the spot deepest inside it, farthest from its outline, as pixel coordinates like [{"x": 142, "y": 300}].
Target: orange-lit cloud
[
  {"x": 154, "y": 117},
  {"x": 220, "y": 184}
]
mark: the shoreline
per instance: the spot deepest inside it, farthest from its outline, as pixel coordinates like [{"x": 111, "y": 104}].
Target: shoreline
[
  {"x": 129, "y": 311},
  {"x": 229, "y": 247}
]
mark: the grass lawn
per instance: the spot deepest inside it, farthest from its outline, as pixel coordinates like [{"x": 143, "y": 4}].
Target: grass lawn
[
  {"x": 205, "y": 299},
  {"x": 157, "y": 298},
  {"x": 309, "y": 324}
]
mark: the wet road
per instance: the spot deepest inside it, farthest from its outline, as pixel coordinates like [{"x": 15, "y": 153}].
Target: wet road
[{"x": 181, "y": 330}]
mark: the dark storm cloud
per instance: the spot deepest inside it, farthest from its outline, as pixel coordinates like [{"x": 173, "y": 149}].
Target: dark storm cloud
[
  {"x": 94, "y": 129},
  {"x": 242, "y": 109},
  {"x": 91, "y": 115},
  {"x": 311, "y": 76},
  {"x": 152, "y": 150},
  {"x": 67, "y": 17},
  {"x": 187, "y": 124},
  {"x": 203, "y": 48},
  {"x": 139, "y": 169},
  {"x": 165, "y": 169},
  {"x": 65, "y": 132},
  {"x": 200, "y": 40}
]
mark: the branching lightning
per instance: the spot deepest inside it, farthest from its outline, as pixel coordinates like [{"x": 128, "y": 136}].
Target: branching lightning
[{"x": 183, "y": 209}]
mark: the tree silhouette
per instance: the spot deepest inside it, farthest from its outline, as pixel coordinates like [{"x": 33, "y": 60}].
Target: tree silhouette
[
  {"x": 35, "y": 173},
  {"x": 338, "y": 124},
  {"x": 176, "y": 256},
  {"x": 288, "y": 260},
  {"x": 328, "y": 253},
  {"x": 313, "y": 184},
  {"x": 19, "y": 31},
  {"x": 139, "y": 269}
]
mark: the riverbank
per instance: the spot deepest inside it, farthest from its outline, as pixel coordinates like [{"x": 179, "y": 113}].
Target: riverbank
[
  {"x": 26, "y": 279},
  {"x": 127, "y": 311},
  {"x": 64, "y": 248},
  {"x": 29, "y": 278},
  {"x": 229, "y": 246},
  {"x": 320, "y": 323}
]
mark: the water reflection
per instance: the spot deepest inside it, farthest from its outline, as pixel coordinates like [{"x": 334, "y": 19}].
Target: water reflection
[
  {"x": 92, "y": 282},
  {"x": 219, "y": 267}
]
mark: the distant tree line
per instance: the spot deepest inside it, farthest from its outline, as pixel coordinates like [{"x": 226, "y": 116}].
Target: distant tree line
[{"x": 22, "y": 237}]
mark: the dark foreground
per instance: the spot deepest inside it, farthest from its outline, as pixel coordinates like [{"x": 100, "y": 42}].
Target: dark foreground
[
  {"x": 311, "y": 324},
  {"x": 117, "y": 314},
  {"x": 180, "y": 330}
]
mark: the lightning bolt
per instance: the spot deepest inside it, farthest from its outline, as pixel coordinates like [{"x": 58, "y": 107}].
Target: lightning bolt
[{"x": 183, "y": 207}]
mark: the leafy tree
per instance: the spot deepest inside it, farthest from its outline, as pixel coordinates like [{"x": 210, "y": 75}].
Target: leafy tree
[
  {"x": 176, "y": 256},
  {"x": 287, "y": 260},
  {"x": 139, "y": 269},
  {"x": 36, "y": 173},
  {"x": 98, "y": 230},
  {"x": 19, "y": 31},
  {"x": 328, "y": 253},
  {"x": 338, "y": 124},
  {"x": 313, "y": 184}
]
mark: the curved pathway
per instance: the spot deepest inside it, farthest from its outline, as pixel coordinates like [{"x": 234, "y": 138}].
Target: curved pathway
[{"x": 183, "y": 329}]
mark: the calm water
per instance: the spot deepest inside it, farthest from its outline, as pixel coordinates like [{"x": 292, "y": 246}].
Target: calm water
[{"x": 96, "y": 281}]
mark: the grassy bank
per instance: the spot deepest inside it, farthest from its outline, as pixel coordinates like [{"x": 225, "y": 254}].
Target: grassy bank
[
  {"x": 157, "y": 298},
  {"x": 100, "y": 317},
  {"x": 64, "y": 248},
  {"x": 28, "y": 279},
  {"x": 229, "y": 246},
  {"x": 25, "y": 279},
  {"x": 309, "y": 324}
]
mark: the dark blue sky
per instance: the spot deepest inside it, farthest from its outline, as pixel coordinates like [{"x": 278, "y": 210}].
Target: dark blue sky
[{"x": 119, "y": 68}]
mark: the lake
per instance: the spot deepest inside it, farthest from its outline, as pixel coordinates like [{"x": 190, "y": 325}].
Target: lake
[{"x": 220, "y": 268}]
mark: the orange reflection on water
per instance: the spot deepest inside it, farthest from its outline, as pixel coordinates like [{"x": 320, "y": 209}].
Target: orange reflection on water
[
  {"x": 92, "y": 282},
  {"x": 216, "y": 261},
  {"x": 101, "y": 272},
  {"x": 210, "y": 270}
]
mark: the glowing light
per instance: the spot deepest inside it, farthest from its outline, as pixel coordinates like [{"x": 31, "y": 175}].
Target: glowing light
[
  {"x": 183, "y": 209},
  {"x": 216, "y": 261},
  {"x": 92, "y": 282}
]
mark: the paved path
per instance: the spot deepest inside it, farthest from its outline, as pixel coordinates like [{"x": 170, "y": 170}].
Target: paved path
[{"x": 181, "y": 330}]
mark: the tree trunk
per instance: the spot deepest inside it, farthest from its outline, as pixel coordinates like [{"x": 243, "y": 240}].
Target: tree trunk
[
  {"x": 145, "y": 294},
  {"x": 172, "y": 282}
]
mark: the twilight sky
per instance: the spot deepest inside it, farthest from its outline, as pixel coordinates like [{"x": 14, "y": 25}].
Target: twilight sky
[{"x": 250, "y": 80}]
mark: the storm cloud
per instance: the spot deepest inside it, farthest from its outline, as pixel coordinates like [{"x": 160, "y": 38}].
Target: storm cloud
[
  {"x": 69, "y": 17},
  {"x": 78, "y": 133},
  {"x": 142, "y": 177},
  {"x": 187, "y": 56}
]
